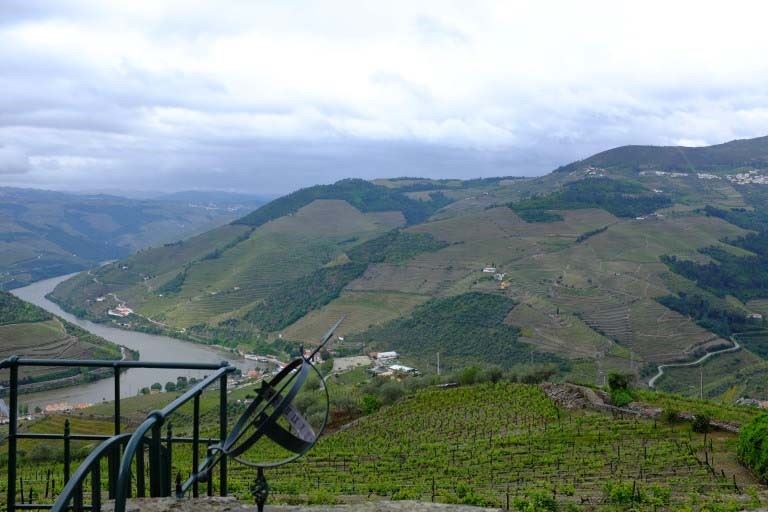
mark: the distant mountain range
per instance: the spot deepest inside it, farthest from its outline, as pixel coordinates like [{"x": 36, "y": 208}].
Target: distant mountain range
[
  {"x": 632, "y": 258},
  {"x": 45, "y": 233}
]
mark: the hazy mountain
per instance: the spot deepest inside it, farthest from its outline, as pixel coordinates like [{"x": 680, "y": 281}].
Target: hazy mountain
[{"x": 45, "y": 233}]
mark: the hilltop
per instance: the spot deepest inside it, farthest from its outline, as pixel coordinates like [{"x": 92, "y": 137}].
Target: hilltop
[{"x": 622, "y": 261}]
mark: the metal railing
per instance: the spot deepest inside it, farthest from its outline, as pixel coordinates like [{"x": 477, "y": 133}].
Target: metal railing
[{"x": 111, "y": 447}]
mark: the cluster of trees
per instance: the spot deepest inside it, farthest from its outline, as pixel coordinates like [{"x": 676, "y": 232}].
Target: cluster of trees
[
  {"x": 394, "y": 247},
  {"x": 465, "y": 328},
  {"x": 589, "y": 234},
  {"x": 621, "y": 198},
  {"x": 296, "y": 298},
  {"x": 363, "y": 195},
  {"x": 15, "y": 311},
  {"x": 535, "y": 215},
  {"x": 175, "y": 283},
  {"x": 752, "y": 448},
  {"x": 721, "y": 321},
  {"x": 181, "y": 384}
]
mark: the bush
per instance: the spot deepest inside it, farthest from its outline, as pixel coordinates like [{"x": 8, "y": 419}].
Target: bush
[
  {"x": 391, "y": 391},
  {"x": 370, "y": 404},
  {"x": 700, "y": 423},
  {"x": 621, "y": 397},
  {"x": 618, "y": 381},
  {"x": 752, "y": 448},
  {"x": 670, "y": 415}
]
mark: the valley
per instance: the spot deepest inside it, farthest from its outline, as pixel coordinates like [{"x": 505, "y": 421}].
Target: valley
[{"x": 584, "y": 256}]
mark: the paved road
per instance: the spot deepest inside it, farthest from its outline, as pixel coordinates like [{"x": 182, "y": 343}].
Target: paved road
[{"x": 734, "y": 348}]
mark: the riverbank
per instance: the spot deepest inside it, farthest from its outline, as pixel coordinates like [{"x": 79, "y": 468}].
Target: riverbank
[{"x": 150, "y": 347}]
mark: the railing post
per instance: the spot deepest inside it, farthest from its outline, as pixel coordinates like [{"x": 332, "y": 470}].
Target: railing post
[
  {"x": 195, "y": 444},
  {"x": 13, "y": 418},
  {"x": 168, "y": 473},
  {"x": 96, "y": 488},
  {"x": 223, "y": 430},
  {"x": 140, "y": 490},
  {"x": 67, "y": 451},
  {"x": 117, "y": 400},
  {"x": 155, "y": 469}
]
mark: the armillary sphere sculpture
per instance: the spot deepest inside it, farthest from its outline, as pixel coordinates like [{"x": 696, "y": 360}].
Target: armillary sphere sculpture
[{"x": 283, "y": 423}]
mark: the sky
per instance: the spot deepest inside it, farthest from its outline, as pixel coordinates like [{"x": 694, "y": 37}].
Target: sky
[{"x": 269, "y": 96}]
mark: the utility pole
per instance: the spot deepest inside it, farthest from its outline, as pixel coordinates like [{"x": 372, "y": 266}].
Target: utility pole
[{"x": 701, "y": 382}]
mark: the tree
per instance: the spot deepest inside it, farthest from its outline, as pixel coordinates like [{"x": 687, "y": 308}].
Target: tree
[
  {"x": 370, "y": 404},
  {"x": 170, "y": 387},
  {"x": 145, "y": 391},
  {"x": 157, "y": 386},
  {"x": 181, "y": 382}
]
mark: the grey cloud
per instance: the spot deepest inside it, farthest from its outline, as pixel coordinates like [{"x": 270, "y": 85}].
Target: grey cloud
[{"x": 13, "y": 161}]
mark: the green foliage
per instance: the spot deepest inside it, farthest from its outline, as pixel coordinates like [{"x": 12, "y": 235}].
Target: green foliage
[
  {"x": 14, "y": 311},
  {"x": 752, "y": 447},
  {"x": 175, "y": 283},
  {"x": 621, "y": 198},
  {"x": 618, "y": 381},
  {"x": 363, "y": 195},
  {"x": 537, "y": 215},
  {"x": 707, "y": 314},
  {"x": 745, "y": 277},
  {"x": 589, "y": 234},
  {"x": 170, "y": 387},
  {"x": 621, "y": 397},
  {"x": 296, "y": 298},
  {"x": 670, "y": 416},
  {"x": 300, "y": 296},
  {"x": 536, "y": 500},
  {"x": 370, "y": 404},
  {"x": 156, "y": 386},
  {"x": 700, "y": 423},
  {"x": 465, "y": 328},
  {"x": 395, "y": 246}
]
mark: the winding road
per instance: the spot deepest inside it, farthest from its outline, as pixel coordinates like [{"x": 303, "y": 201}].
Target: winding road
[{"x": 734, "y": 348}]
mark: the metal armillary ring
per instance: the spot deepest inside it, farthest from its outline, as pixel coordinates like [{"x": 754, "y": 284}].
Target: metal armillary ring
[{"x": 280, "y": 428}]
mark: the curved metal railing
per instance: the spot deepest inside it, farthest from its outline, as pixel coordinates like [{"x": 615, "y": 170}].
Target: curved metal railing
[
  {"x": 71, "y": 497},
  {"x": 73, "y": 490},
  {"x": 154, "y": 422}
]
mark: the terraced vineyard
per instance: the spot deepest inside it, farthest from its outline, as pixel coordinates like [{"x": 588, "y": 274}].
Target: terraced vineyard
[
  {"x": 501, "y": 444},
  {"x": 492, "y": 443}
]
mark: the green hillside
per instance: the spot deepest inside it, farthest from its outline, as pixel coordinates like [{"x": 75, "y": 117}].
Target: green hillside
[
  {"x": 27, "y": 330},
  {"x": 45, "y": 233},
  {"x": 610, "y": 266}
]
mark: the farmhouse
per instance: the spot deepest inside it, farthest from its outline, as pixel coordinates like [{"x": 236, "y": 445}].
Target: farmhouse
[
  {"x": 398, "y": 368},
  {"x": 120, "y": 311},
  {"x": 385, "y": 356},
  {"x": 489, "y": 270}
]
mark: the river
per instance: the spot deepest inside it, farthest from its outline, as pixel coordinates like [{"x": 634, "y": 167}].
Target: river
[{"x": 151, "y": 347}]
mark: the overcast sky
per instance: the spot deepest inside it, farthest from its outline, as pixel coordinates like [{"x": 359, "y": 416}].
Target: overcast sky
[{"x": 267, "y": 96}]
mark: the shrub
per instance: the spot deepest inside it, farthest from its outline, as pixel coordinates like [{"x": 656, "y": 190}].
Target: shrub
[
  {"x": 752, "y": 448},
  {"x": 370, "y": 404},
  {"x": 700, "y": 423},
  {"x": 670, "y": 415},
  {"x": 621, "y": 397},
  {"x": 618, "y": 381}
]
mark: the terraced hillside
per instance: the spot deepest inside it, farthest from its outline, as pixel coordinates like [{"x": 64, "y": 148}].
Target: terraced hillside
[
  {"x": 589, "y": 255},
  {"x": 27, "y": 330}
]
